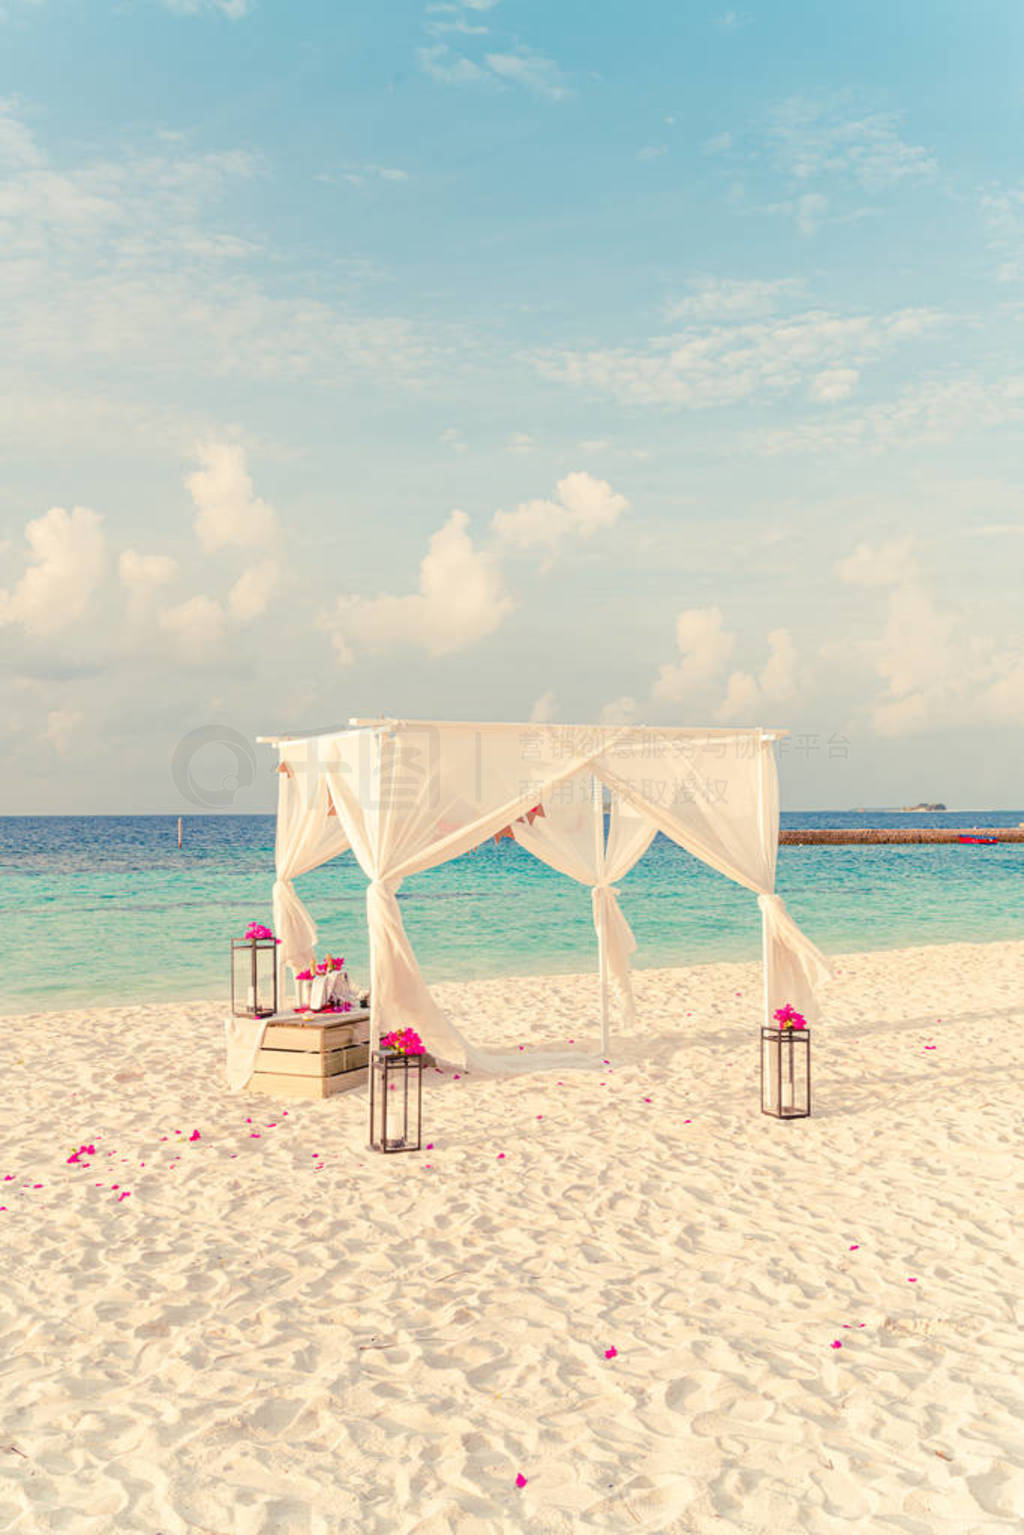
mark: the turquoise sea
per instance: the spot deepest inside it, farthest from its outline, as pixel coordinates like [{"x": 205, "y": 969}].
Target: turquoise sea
[{"x": 106, "y": 909}]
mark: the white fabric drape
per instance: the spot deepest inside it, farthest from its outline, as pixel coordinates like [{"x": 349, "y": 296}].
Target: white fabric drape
[
  {"x": 412, "y": 797},
  {"x": 719, "y": 799},
  {"x": 570, "y": 837},
  {"x": 307, "y": 836}
]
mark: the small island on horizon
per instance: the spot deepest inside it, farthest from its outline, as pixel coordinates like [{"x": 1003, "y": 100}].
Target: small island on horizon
[{"x": 908, "y": 809}]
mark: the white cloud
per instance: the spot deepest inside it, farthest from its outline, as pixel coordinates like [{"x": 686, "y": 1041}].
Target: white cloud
[
  {"x": 834, "y": 384},
  {"x": 811, "y": 209},
  {"x": 227, "y": 512},
  {"x": 197, "y": 627},
  {"x": 704, "y": 647},
  {"x": 448, "y": 68},
  {"x": 533, "y": 71},
  {"x": 144, "y": 572},
  {"x": 887, "y": 565},
  {"x": 713, "y": 365},
  {"x": 460, "y": 601},
  {"x": 733, "y": 21},
  {"x": 936, "y": 666},
  {"x": 452, "y": 438},
  {"x": 125, "y": 262},
  {"x": 61, "y": 725},
  {"x": 584, "y": 506},
  {"x": 811, "y": 140},
  {"x": 68, "y": 557},
  {"x": 545, "y": 709},
  {"x": 621, "y": 711},
  {"x": 728, "y": 298},
  {"x": 537, "y": 74},
  {"x": 746, "y": 695},
  {"x": 520, "y": 442},
  {"x": 359, "y": 175},
  {"x": 250, "y": 596},
  {"x": 233, "y": 9},
  {"x": 1003, "y": 210},
  {"x": 933, "y": 412}
]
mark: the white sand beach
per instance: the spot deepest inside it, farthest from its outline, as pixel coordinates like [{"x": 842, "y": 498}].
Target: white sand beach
[{"x": 230, "y": 1317}]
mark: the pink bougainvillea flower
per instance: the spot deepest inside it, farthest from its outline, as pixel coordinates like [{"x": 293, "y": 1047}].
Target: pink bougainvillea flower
[
  {"x": 648, "y": 1100},
  {"x": 456, "y": 1077},
  {"x": 254, "y": 1135},
  {"x": 520, "y": 1479},
  {"x": 195, "y": 1136},
  {"x": 430, "y": 1145},
  {"x": 855, "y": 1247},
  {"x": 501, "y": 1156},
  {"x": 125, "y": 1194},
  {"x": 911, "y": 1281},
  {"x": 73, "y": 1157},
  {"x": 8, "y": 1177},
  {"x": 611, "y": 1353},
  {"x": 836, "y": 1343},
  {"x": 540, "y": 1116}
]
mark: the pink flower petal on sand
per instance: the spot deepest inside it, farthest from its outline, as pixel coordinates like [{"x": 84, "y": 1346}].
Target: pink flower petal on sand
[
  {"x": 836, "y": 1343},
  {"x": 195, "y": 1136},
  {"x": 855, "y": 1247},
  {"x": 73, "y": 1157},
  {"x": 456, "y": 1077},
  {"x": 647, "y": 1100},
  {"x": 430, "y": 1145},
  {"x": 501, "y": 1156},
  {"x": 520, "y": 1479},
  {"x": 611, "y": 1353},
  {"x": 126, "y": 1194},
  {"x": 911, "y": 1281}
]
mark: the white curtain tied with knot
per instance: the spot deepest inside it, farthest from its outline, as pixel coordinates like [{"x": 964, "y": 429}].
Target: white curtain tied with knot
[
  {"x": 307, "y": 836},
  {"x": 570, "y": 837},
  {"x": 719, "y": 799}
]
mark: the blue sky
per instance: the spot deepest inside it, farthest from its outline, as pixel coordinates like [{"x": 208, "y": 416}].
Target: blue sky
[{"x": 498, "y": 359}]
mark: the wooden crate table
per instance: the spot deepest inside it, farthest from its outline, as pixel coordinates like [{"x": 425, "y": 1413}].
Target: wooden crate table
[{"x": 313, "y": 1057}]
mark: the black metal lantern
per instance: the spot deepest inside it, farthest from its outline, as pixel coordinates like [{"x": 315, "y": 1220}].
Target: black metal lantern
[
  {"x": 254, "y": 977},
  {"x": 396, "y": 1101},
  {"x": 786, "y": 1073}
]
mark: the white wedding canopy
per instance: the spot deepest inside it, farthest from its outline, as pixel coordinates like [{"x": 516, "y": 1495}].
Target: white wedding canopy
[{"x": 407, "y": 795}]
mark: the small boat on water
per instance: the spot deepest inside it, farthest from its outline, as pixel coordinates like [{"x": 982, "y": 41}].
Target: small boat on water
[{"x": 979, "y": 841}]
